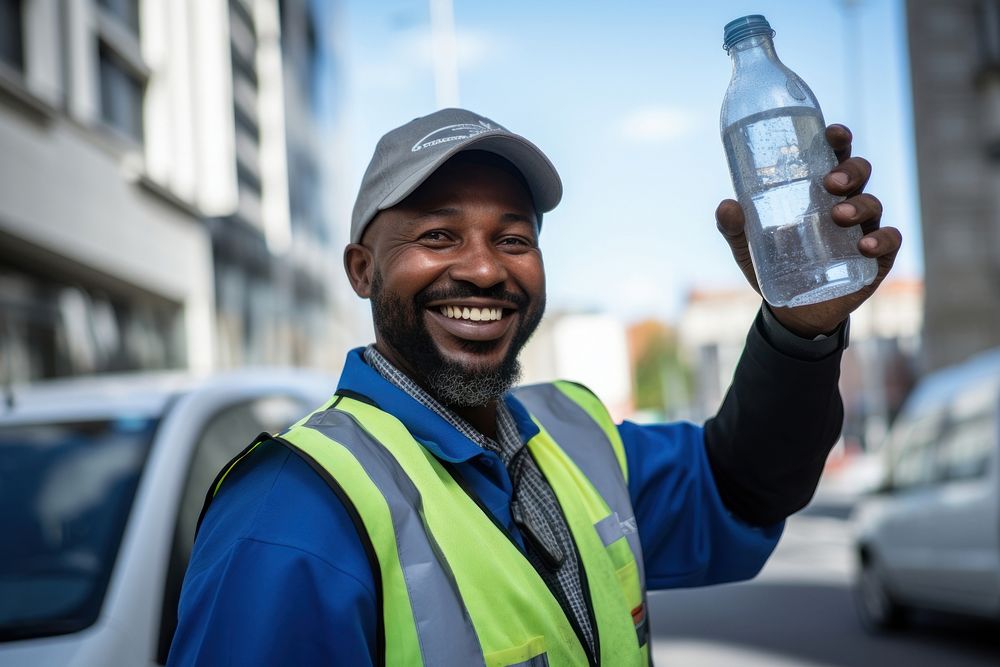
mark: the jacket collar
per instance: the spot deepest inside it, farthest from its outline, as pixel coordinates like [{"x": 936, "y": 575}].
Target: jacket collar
[{"x": 429, "y": 428}]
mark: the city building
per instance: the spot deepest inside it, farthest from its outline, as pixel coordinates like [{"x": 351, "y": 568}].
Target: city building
[
  {"x": 712, "y": 330},
  {"x": 661, "y": 379},
  {"x": 878, "y": 369},
  {"x": 163, "y": 184},
  {"x": 589, "y": 348},
  {"x": 102, "y": 267},
  {"x": 276, "y": 250},
  {"x": 955, "y": 68},
  {"x": 883, "y": 361}
]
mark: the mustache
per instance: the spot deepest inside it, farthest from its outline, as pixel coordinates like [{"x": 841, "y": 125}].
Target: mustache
[{"x": 464, "y": 291}]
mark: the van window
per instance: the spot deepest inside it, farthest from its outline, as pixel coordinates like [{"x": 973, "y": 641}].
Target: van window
[
  {"x": 969, "y": 439},
  {"x": 66, "y": 490},
  {"x": 911, "y": 448},
  {"x": 222, "y": 437}
]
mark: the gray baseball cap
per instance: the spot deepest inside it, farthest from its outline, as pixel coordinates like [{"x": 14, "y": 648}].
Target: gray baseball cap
[{"x": 405, "y": 157}]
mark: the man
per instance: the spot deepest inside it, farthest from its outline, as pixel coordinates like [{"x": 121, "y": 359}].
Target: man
[{"x": 428, "y": 515}]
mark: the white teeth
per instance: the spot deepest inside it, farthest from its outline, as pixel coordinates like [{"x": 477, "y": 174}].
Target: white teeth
[{"x": 473, "y": 314}]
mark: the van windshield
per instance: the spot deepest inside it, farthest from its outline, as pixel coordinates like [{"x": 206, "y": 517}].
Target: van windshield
[{"x": 65, "y": 494}]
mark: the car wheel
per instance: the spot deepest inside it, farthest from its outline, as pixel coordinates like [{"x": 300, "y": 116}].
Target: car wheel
[{"x": 877, "y": 610}]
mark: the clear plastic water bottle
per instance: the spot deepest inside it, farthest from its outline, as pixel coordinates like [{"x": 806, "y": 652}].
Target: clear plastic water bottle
[{"x": 774, "y": 135}]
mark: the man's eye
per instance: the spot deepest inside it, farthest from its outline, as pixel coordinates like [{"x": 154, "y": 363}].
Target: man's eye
[
  {"x": 515, "y": 241},
  {"x": 434, "y": 235}
]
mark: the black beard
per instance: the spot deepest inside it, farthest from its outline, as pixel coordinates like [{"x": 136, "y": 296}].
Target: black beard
[{"x": 452, "y": 383}]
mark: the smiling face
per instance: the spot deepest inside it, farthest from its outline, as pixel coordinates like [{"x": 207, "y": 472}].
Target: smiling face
[{"x": 456, "y": 279}]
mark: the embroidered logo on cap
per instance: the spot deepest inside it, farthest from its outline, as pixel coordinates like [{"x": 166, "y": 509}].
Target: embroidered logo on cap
[{"x": 443, "y": 135}]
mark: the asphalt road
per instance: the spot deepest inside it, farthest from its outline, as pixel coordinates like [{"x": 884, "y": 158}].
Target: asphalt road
[{"x": 799, "y": 612}]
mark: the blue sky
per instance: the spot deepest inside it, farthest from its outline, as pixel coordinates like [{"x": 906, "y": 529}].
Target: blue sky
[{"x": 624, "y": 98}]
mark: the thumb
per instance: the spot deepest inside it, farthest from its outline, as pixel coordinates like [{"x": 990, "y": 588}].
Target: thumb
[{"x": 730, "y": 221}]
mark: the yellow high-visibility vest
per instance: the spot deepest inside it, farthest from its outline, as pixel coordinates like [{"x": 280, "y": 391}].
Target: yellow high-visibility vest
[{"x": 452, "y": 587}]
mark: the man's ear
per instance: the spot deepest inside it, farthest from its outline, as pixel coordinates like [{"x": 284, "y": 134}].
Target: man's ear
[{"x": 360, "y": 267}]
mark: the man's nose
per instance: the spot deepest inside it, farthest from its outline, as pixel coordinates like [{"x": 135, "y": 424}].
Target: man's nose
[{"x": 479, "y": 263}]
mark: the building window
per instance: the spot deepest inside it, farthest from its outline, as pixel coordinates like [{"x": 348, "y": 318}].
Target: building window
[
  {"x": 122, "y": 72},
  {"x": 126, "y": 11},
  {"x": 121, "y": 94},
  {"x": 11, "y": 46},
  {"x": 52, "y": 328}
]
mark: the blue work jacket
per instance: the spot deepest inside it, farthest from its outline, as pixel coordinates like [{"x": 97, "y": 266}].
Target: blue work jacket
[{"x": 278, "y": 574}]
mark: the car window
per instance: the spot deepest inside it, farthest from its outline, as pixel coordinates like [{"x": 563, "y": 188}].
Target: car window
[
  {"x": 970, "y": 438},
  {"x": 223, "y": 436},
  {"x": 65, "y": 494},
  {"x": 911, "y": 448}
]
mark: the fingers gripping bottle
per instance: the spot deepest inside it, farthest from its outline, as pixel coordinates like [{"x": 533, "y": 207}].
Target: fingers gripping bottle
[{"x": 774, "y": 135}]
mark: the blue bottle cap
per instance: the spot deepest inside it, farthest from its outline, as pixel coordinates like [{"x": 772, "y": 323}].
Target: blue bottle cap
[{"x": 743, "y": 27}]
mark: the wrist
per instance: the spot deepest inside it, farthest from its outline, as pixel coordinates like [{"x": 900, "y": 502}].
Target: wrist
[
  {"x": 807, "y": 328},
  {"x": 793, "y": 345}
]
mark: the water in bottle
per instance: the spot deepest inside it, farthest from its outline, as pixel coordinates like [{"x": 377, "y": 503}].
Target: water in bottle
[{"x": 774, "y": 137}]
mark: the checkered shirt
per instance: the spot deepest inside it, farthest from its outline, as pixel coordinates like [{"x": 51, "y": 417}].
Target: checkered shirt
[{"x": 534, "y": 507}]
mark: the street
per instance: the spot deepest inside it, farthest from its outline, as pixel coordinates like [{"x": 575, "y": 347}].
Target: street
[{"x": 799, "y": 612}]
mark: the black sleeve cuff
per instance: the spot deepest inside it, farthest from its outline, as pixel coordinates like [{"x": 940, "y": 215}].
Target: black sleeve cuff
[{"x": 784, "y": 341}]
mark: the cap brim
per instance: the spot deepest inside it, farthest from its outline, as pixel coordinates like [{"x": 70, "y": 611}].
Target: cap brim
[{"x": 539, "y": 173}]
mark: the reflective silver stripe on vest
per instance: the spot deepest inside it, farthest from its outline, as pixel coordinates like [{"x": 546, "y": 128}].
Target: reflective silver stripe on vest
[
  {"x": 610, "y": 529},
  {"x": 444, "y": 629},
  {"x": 588, "y": 446},
  {"x": 541, "y": 660}
]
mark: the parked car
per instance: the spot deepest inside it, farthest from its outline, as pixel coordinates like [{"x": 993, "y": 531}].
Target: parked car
[
  {"x": 929, "y": 537},
  {"x": 101, "y": 484}
]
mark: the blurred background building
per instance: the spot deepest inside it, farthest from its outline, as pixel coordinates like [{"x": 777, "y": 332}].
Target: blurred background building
[
  {"x": 955, "y": 70},
  {"x": 662, "y": 379},
  {"x": 712, "y": 329},
  {"x": 586, "y": 347},
  {"x": 162, "y": 185},
  {"x": 879, "y": 367}
]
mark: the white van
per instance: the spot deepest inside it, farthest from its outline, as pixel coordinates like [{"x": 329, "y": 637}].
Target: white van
[
  {"x": 930, "y": 536},
  {"x": 101, "y": 484}
]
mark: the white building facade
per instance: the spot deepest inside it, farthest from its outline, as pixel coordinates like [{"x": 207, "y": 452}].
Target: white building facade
[
  {"x": 145, "y": 214},
  {"x": 589, "y": 348}
]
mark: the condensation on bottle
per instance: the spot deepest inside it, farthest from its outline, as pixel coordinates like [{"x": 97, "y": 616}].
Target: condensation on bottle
[{"x": 774, "y": 137}]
